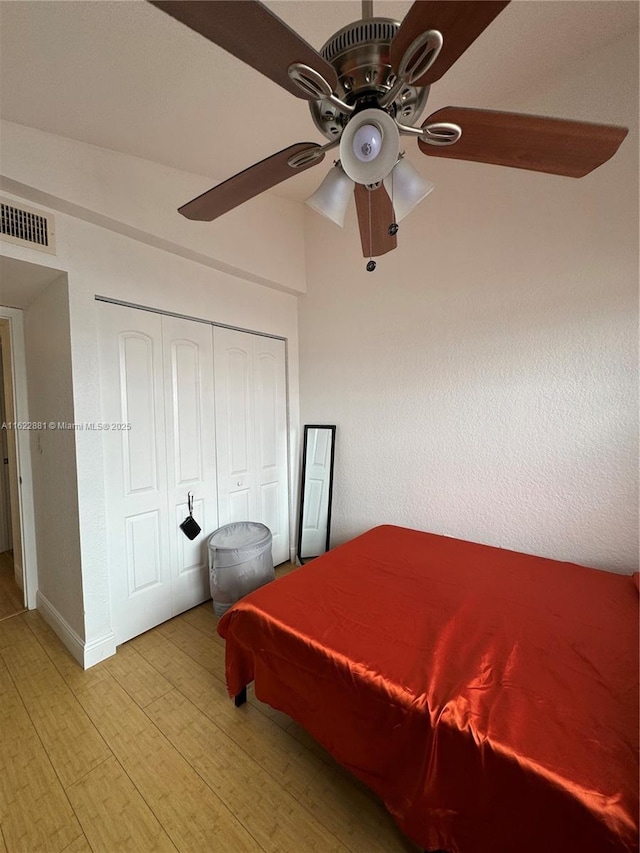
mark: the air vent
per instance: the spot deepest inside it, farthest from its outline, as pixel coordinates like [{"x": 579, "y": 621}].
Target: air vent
[{"x": 27, "y": 227}]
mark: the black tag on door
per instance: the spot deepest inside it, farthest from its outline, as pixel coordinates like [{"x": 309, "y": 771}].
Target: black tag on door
[{"x": 190, "y": 526}]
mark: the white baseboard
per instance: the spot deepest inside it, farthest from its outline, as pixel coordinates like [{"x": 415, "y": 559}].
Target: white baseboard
[
  {"x": 87, "y": 654},
  {"x": 73, "y": 642},
  {"x": 99, "y": 649}
]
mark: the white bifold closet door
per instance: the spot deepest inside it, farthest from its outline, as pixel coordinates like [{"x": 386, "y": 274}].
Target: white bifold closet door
[
  {"x": 157, "y": 377},
  {"x": 251, "y": 433}
]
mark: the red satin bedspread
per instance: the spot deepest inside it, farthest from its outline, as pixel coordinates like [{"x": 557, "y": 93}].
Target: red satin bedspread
[{"x": 489, "y": 698}]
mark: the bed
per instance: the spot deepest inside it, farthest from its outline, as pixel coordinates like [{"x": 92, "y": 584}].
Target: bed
[{"x": 489, "y": 698}]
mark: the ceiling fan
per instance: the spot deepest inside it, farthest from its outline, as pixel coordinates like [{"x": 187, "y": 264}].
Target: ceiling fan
[{"x": 367, "y": 87}]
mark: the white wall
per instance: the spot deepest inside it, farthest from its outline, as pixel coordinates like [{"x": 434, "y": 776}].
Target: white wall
[
  {"x": 140, "y": 199},
  {"x": 104, "y": 254},
  {"x": 53, "y": 453},
  {"x": 484, "y": 378}
]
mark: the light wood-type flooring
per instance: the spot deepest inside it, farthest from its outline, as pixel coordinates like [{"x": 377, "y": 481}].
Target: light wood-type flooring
[
  {"x": 11, "y": 598},
  {"x": 145, "y": 752}
]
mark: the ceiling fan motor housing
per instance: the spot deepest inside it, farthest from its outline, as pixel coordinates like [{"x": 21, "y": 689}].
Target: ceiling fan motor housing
[{"x": 359, "y": 53}]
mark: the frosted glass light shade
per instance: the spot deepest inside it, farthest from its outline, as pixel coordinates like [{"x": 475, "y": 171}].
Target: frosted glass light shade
[
  {"x": 408, "y": 189},
  {"x": 332, "y": 197}
]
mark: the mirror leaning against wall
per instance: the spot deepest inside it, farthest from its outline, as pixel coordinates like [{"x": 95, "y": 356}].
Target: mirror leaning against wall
[{"x": 314, "y": 519}]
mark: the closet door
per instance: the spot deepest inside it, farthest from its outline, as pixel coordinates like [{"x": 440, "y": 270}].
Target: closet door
[
  {"x": 236, "y": 457},
  {"x": 190, "y": 433},
  {"x": 157, "y": 376},
  {"x": 251, "y": 433},
  {"x": 132, "y": 392},
  {"x": 270, "y": 395}
]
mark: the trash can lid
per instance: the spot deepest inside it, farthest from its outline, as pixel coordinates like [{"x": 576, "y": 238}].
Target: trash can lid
[{"x": 239, "y": 534}]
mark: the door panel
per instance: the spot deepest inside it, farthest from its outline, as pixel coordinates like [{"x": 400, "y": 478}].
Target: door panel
[
  {"x": 187, "y": 420},
  {"x": 5, "y": 497},
  {"x": 239, "y": 410},
  {"x": 270, "y": 508},
  {"x": 251, "y": 431},
  {"x": 135, "y": 469},
  {"x": 240, "y": 506},
  {"x": 190, "y": 443},
  {"x": 270, "y": 393},
  {"x": 267, "y": 404},
  {"x": 137, "y": 407},
  {"x": 233, "y": 360},
  {"x": 143, "y": 551}
]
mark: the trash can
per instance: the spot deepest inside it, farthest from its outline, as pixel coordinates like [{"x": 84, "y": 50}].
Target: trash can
[{"x": 240, "y": 560}]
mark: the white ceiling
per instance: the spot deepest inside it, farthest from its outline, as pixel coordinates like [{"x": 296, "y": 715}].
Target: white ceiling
[{"x": 125, "y": 76}]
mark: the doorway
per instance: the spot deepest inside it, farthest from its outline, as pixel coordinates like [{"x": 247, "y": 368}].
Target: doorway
[
  {"x": 21, "y": 282},
  {"x": 12, "y": 599},
  {"x": 12, "y": 564}
]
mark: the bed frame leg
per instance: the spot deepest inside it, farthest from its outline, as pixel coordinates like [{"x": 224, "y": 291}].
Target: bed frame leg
[{"x": 240, "y": 698}]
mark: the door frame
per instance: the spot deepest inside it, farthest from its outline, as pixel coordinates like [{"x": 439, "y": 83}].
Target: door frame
[
  {"x": 19, "y": 441},
  {"x": 6, "y": 533}
]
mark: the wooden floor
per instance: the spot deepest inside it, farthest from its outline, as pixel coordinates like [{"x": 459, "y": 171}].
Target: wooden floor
[
  {"x": 146, "y": 752},
  {"x": 11, "y": 598}
]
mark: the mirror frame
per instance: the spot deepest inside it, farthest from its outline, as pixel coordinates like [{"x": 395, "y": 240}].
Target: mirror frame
[{"x": 303, "y": 471}]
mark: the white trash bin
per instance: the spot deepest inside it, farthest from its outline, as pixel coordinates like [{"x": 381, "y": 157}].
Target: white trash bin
[{"x": 240, "y": 560}]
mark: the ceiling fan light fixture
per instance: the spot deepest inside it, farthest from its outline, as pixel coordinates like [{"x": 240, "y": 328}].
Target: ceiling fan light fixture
[
  {"x": 369, "y": 146},
  {"x": 332, "y": 197},
  {"x": 367, "y": 143},
  {"x": 407, "y": 188}
]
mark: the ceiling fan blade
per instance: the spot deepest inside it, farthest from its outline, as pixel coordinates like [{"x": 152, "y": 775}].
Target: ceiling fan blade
[
  {"x": 374, "y": 234},
  {"x": 252, "y": 33},
  {"x": 459, "y": 21},
  {"x": 556, "y": 146},
  {"x": 249, "y": 183}
]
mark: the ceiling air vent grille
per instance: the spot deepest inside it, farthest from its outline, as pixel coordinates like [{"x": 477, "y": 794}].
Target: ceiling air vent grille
[{"x": 27, "y": 227}]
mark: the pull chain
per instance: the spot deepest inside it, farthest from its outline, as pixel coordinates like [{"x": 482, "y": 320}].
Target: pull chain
[
  {"x": 392, "y": 230},
  {"x": 372, "y": 264}
]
